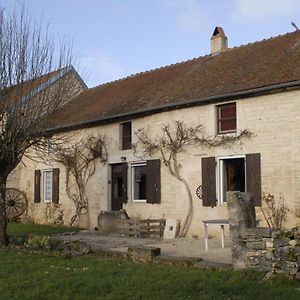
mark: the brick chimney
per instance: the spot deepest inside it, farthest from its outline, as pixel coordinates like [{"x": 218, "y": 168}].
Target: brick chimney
[{"x": 219, "y": 41}]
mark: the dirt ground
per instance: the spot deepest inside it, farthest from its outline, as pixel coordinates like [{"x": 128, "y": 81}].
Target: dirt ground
[{"x": 171, "y": 248}]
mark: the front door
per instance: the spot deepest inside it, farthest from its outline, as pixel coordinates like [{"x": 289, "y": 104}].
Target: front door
[{"x": 118, "y": 185}]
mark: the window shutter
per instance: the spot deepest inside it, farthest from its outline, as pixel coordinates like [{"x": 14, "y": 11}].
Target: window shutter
[
  {"x": 55, "y": 186},
  {"x": 253, "y": 177},
  {"x": 37, "y": 186},
  {"x": 153, "y": 181},
  {"x": 124, "y": 183},
  {"x": 126, "y": 135},
  {"x": 209, "y": 181}
]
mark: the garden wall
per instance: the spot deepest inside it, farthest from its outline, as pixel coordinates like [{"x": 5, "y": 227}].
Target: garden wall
[
  {"x": 273, "y": 250},
  {"x": 260, "y": 248}
]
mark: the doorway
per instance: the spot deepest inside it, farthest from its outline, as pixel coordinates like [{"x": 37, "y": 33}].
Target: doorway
[
  {"x": 232, "y": 176},
  {"x": 118, "y": 185}
]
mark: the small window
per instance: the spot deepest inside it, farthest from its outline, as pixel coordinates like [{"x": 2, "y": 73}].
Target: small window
[
  {"x": 126, "y": 135},
  {"x": 49, "y": 146},
  {"x": 226, "y": 118},
  {"x": 47, "y": 185},
  {"x": 139, "y": 182}
]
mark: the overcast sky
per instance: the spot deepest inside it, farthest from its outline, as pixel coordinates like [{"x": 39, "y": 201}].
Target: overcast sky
[{"x": 117, "y": 38}]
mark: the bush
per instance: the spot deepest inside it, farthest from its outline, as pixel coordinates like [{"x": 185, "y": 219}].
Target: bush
[{"x": 38, "y": 243}]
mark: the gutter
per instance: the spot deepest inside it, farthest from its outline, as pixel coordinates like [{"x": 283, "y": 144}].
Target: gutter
[{"x": 168, "y": 107}]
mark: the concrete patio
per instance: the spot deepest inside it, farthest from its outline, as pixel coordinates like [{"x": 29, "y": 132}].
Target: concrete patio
[{"x": 174, "y": 249}]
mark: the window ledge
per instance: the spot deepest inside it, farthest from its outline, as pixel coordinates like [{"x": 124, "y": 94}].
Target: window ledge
[
  {"x": 227, "y": 132},
  {"x": 139, "y": 201}
]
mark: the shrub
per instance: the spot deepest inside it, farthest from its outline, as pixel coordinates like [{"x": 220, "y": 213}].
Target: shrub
[
  {"x": 40, "y": 243},
  {"x": 274, "y": 213}
]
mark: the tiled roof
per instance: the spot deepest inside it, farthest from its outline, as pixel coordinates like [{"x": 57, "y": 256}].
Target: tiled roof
[
  {"x": 260, "y": 64},
  {"x": 29, "y": 85}
]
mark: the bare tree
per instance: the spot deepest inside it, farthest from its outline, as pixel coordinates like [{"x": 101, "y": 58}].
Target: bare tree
[
  {"x": 80, "y": 161},
  {"x": 29, "y": 91},
  {"x": 174, "y": 139}
]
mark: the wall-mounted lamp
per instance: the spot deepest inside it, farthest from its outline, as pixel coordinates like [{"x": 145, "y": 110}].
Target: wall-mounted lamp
[{"x": 123, "y": 158}]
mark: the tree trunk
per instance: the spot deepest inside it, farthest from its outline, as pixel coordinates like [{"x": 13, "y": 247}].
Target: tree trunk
[
  {"x": 188, "y": 219},
  {"x": 189, "y": 214},
  {"x": 3, "y": 234}
]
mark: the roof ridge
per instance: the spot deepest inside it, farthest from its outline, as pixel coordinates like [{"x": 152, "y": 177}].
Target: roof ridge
[
  {"x": 188, "y": 60},
  {"x": 263, "y": 40}
]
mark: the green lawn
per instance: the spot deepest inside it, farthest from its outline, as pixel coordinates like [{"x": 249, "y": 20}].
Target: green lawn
[
  {"x": 28, "y": 276},
  {"x": 41, "y": 229},
  {"x": 33, "y": 276}
]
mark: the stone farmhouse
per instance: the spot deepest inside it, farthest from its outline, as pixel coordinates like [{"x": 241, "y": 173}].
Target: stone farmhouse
[{"x": 254, "y": 87}]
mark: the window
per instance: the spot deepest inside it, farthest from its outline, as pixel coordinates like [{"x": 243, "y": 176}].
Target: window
[
  {"x": 226, "y": 118},
  {"x": 47, "y": 185},
  {"x": 222, "y": 174},
  {"x": 126, "y": 135},
  {"x": 139, "y": 182},
  {"x": 145, "y": 181}
]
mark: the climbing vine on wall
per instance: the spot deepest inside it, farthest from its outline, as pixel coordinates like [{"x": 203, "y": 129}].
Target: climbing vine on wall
[
  {"x": 175, "y": 138},
  {"x": 80, "y": 161}
]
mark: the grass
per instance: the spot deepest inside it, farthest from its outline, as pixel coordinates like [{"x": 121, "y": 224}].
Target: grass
[
  {"x": 32, "y": 276},
  {"x": 28, "y": 276},
  {"x": 39, "y": 229}
]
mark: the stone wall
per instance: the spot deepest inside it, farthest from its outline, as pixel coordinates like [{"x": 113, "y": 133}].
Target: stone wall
[
  {"x": 272, "y": 250},
  {"x": 260, "y": 248}
]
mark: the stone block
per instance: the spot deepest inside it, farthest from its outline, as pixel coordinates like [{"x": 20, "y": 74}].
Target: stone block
[
  {"x": 290, "y": 264},
  {"x": 280, "y": 271},
  {"x": 271, "y": 240},
  {"x": 293, "y": 271},
  {"x": 171, "y": 229},
  {"x": 269, "y": 245},
  {"x": 282, "y": 252},
  {"x": 256, "y": 245},
  {"x": 293, "y": 255},
  {"x": 269, "y": 255},
  {"x": 258, "y": 232},
  {"x": 260, "y": 263},
  {"x": 275, "y": 233},
  {"x": 296, "y": 232},
  {"x": 295, "y": 243},
  {"x": 259, "y": 268},
  {"x": 235, "y": 232},
  {"x": 108, "y": 221},
  {"x": 281, "y": 242},
  {"x": 253, "y": 239},
  {"x": 249, "y": 254},
  {"x": 287, "y": 234},
  {"x": 241, "y": 210},
  {"x": 144, "y": 254}
]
